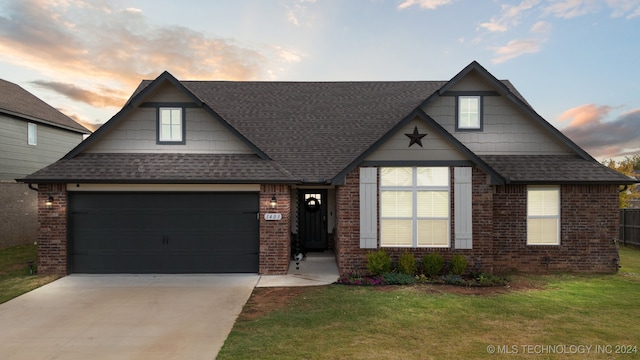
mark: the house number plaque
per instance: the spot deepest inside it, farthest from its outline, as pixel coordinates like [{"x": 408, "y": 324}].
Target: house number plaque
[{"x": 276, "y": 216}]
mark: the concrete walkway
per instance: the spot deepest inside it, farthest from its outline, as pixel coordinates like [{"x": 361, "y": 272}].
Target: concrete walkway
[
  {"x": 316, "y": 269},
  {"x": 124, "y": 317}
]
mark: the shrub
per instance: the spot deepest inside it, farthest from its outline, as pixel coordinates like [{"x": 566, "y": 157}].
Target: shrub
[
  {"x": 454, "y": 280},
  {"x": 398, "y": 279},
  {"x": 378, "y": 262},
  {"x": 407, "y": 264},
  {"x": 432, "y": 264},
  {"x": 458, "y": 265}
]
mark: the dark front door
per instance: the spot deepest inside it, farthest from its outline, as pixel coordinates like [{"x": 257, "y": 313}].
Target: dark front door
[{"x": 312, "y": 219}]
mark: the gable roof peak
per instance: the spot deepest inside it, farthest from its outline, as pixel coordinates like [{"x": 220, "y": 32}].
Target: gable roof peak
[{"x": 475, "y": 66}]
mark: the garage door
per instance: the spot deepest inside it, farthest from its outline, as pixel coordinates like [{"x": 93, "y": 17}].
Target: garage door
[{"x": 163, "y": 232}]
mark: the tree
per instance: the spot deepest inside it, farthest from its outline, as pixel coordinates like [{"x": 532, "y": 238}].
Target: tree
[{"x": 628, "y": 166}]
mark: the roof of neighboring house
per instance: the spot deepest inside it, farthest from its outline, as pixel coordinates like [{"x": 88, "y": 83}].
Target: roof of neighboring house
[
  {"x": 16, "y": 101},
  {"x": 318, "y": 131},
  {"x": 553, "y": 169},
  {"x": 162, "y": 168}
]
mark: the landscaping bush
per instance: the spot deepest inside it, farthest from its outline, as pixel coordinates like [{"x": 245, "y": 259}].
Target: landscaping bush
[
  {"x": 407, "y": 264},
  {"x": 454, "y": 280},
  {"x": 458, "y": 265},
  {"x": 398, "y": 279},
  {"x": 432, "y": 264},
  {"x": 378, "y": 262}
]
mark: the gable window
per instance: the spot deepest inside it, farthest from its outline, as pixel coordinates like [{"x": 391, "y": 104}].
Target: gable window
[
  {"x": 543, "y": 215},
  {"x": 32, "y": 134},
  {"x": 414, "y": 207},
  {"x": 171, "y": 129},
  {"x": 469, "y": 113}
]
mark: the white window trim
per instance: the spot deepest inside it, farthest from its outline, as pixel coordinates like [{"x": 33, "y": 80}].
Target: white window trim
[
  {"x": 182, "y": 126},
  {"x": 32, "y": 134},
  {"x": 459, "y": 109},
  {"x": 556, "y": 217},
  {"x": 414, "y": 189}
]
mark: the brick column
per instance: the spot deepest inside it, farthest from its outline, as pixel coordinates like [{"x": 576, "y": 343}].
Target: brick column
[
  {"x": 349, "y": 256},
  {"x": 52, "y": 234},
  {"x": 275, "y": 235}
]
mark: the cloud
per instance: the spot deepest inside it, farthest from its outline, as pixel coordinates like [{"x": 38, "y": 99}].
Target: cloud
[
  {"x": 585, "y": 115},
  {"x": 107, "y": 97},
  {"x": 572, "y": 8},
  {"x": 288, "y": 55},
  {"x": 298, "y": 12},
  {"x": 509, "y": 16},
  {"x": 541, "y": 27},
  {"x": 634, "y": 13},
  {"x": 92, "y": 126},
  {"x": 618, "y": 137},
  {"x": 100, "y": 43},
  {"x": 423, "y": 4},
  {"x": 568, "y": 9},
  {"x": 515, "y": 48}
]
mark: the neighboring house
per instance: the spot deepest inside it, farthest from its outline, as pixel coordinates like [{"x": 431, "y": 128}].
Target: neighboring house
[
  {"x": 32, "y": 136},
  {"x": 215, "y": 176}
]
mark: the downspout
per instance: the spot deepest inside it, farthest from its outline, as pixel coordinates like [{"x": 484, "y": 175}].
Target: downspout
[{"x": 32, "y": 188}]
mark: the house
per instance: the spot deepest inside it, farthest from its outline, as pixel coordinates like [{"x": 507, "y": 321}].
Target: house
[
  {"x": 32, "y": 136},
  {"x": 216, "y": 176}
]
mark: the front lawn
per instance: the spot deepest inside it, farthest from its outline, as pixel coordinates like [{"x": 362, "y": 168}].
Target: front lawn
[
  {"x": 554, "y": 317},
  {"x": 15, "y": 277}
]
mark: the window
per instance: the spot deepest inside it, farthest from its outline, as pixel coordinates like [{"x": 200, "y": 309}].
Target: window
[
  {"x": 414, "y": 207},
  {"x": 171, "y": 128},
  {"x": 32, "y": 134},
  {"x": 543, "y": 215},
  {"x": 469, "y": 114}
]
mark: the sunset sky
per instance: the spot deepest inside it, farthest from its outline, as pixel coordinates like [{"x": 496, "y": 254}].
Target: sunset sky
[{"x": 575, "y": 61}]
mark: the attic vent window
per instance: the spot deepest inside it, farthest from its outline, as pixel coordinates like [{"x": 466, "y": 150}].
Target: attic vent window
[
  {"x": 171, "y": 129},
  {"x": 469, "y": 113}
]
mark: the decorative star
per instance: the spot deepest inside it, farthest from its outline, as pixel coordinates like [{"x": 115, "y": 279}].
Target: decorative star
[{"x": 416, "y": 137}]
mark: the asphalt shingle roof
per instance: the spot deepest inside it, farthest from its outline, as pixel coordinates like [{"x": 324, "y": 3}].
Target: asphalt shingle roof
[
  {"x": 313, "y": 129},
  {"x": 16, "y": 100},
  {"x": 553, "y": 169},
  {"x": 162, "y": 168}
]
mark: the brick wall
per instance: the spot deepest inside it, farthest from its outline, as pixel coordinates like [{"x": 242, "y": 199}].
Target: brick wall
[
  {"x": 589, "y": 217},
  {"x": 589, "y": 223},
  {"x": 275, "y": 236},
  {"x": 52, "y": 236},
  {"x": 350, "y": 258}
]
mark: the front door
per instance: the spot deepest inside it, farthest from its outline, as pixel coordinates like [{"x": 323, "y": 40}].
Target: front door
[{"x": 312, "y": 219}]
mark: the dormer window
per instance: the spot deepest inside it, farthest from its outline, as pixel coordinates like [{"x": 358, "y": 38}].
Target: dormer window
[
  {"x": 469, "y": 113},
  {"x": 171, "y": 129}
]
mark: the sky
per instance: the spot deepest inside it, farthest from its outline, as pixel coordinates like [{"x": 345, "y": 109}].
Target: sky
[{"x": 575, "y": 61}]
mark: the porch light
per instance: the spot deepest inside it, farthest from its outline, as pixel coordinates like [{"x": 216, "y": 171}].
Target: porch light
[
  {"x": 273, "y": 202},
  {"x": 49, "y": 202}
]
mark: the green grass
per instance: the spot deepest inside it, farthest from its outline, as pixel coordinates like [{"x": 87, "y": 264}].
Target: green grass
[
  {"x": 422, "y": 322},
  {"x": 15, "y": 278}
]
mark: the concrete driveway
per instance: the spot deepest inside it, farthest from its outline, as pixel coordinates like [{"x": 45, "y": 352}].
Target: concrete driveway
[{"x": 124, "y": 317}]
